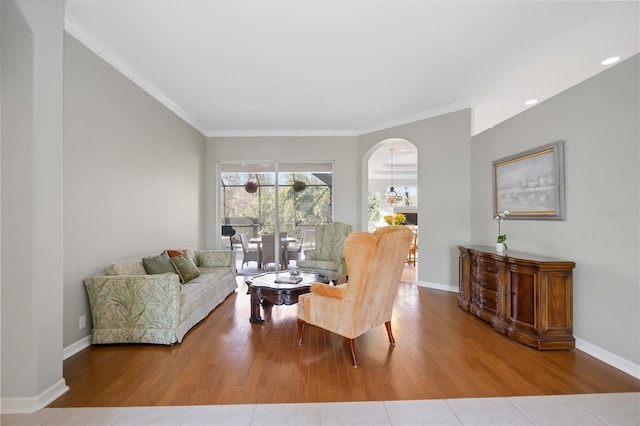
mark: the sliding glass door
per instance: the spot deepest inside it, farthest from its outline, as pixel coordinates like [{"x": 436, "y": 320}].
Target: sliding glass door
[{"x": 274, "y": 198}]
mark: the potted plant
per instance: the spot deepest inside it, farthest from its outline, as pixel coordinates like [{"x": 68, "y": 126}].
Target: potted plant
[
  {"x": 500, "y": 242},
  {"x": 299, "y": 186},
  {"x": 251, "y": 187}
]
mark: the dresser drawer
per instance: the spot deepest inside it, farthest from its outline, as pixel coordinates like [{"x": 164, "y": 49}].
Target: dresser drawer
[
  {"x": 488, "y": 265},
  {"x": 487, "y": 281},
  {"x": 485, "y": 304}
]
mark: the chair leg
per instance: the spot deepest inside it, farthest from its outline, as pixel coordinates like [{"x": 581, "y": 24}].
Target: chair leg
[
  {"x": 352, "y": 346},
  {"x": 300, "y": 324},
  {"x": 389, "y": 333}
]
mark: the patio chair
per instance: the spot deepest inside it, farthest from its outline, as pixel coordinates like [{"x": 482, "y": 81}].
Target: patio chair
[
  {"x": 268, "y": 251},
  {"x": 250, "y": 251},
  {"x": 295, "y": 250}
]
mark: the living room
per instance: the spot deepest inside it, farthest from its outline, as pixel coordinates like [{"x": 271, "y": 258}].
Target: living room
[{"x": 118, "y": 174}]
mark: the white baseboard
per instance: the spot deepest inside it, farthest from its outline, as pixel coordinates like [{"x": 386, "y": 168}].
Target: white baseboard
[
  {"x": 608, "y": 357},
  {"x": 436, "y": 286},
  {"x": 30, "y": 405},
  {"x": 76, "y": 347},
  {"x": 591, "y": 349}
]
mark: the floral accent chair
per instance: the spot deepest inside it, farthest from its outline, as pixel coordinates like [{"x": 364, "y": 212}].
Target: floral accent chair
[
  {"x": 328, "y": 257},
  {"x": 376, "y": 262}
]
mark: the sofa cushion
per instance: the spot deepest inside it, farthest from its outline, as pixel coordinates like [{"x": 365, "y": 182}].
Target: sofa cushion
[
  {"x": 218, "y": 272},
  {"x": 185, "y": 267},
  {"x": 212, "y": 259},
  {"x": 192, "y": 254},
  {"x": 211, "y": 276},
  {"x": 189, "y": 291},
  {"x": 131, "y": 266},
  {"x": 159, "y": 264}
]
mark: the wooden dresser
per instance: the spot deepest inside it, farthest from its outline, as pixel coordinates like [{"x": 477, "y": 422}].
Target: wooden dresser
[{"x": 527, "y": 297}]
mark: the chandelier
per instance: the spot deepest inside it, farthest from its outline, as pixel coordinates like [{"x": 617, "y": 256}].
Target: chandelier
[{"x": 392, "y": 196}]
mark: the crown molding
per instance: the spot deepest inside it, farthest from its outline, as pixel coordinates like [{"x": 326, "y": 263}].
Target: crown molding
[
  {"x": 458, "y": 106},
  {"x": 434, "y": 112},
  {"x": 278, "y": 133},
  {"x": 93, "y": 43}
]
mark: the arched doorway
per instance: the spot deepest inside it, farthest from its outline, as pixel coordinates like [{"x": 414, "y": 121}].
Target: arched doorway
[{"x": 392, "y": 163}]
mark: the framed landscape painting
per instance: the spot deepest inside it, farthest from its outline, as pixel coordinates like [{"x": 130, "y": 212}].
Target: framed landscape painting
[{"x": 530, "y": 184}]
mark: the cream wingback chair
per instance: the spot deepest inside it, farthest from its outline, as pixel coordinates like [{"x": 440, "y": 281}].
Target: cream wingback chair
[
  {"x": 327, "y": 257},
  {"x": 375, "y": 264}
]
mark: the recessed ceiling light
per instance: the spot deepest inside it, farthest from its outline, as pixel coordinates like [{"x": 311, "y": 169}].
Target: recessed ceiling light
[
  {"x": 611, "y": 60},
  {"x": 531, "y": 102}
]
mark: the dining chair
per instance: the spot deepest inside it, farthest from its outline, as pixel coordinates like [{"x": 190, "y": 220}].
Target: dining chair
[
  {"x": 268, "y": 250},
  {"x": 295, "y": 250},
  {"x": 412, "y": 257},
  {"x": 250, "y": 252},
  {"x": 309, "y": 234}
]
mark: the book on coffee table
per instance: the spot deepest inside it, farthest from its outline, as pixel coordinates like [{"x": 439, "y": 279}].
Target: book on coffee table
[{"x": 288, "y": 280}]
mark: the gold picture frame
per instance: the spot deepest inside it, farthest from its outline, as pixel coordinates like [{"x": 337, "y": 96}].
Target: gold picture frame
[{"x": 530, "y": 184}]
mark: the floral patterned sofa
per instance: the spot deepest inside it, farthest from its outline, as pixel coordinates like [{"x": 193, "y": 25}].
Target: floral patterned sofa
[{"x": 131, "y": 305}]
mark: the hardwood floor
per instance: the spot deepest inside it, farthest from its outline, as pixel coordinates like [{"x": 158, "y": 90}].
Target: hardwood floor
[{"x": 441, "y": 352}]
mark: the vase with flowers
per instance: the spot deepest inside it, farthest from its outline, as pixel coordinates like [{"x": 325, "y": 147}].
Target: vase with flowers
[
  {"x": 395, "y": 219},
  {"x": 500, "y": 242}
]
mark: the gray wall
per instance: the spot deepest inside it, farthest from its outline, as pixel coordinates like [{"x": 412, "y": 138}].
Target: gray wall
[
  {"x": 599, "y": 123},
  {"x": 443, "y": 180},
  {"x": 341, "y": 151},
  {"x": 133, "y": 176},
  {"x": 32, "y": 141},
  {"x": 443, "y": 189}
]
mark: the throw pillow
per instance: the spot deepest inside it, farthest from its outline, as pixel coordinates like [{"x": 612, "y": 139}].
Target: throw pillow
[
  {"x": 174, "y": 253},
  {"x": 132, "y": 266},
  {"x": 187, "y": 250},
  {"x": 192, "y": 254},
  {"x": 185, "y": 267},
  {"x": 158, "y": 264}
]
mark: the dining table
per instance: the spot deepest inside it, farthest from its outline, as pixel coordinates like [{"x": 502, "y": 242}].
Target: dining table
[{"x": 284, "y": 243}]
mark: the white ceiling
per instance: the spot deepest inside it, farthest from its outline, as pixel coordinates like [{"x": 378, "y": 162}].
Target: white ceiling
[{"x": 347, "y": 67}]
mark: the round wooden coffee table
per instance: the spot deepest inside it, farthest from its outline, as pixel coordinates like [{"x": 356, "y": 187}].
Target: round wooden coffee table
[{"x": 277, "y": 288}]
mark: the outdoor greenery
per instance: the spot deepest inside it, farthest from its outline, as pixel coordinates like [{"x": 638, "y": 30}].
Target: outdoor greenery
[
  {"x": 374, "y": 206},
  {"x": 310, "y": 206}
]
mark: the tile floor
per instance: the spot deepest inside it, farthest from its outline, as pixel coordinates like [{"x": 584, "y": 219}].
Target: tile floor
[{"x": 589, "y": 409}]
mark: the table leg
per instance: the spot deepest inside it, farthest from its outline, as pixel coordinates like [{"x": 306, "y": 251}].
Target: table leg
[{"x": 255, "y": 308}]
